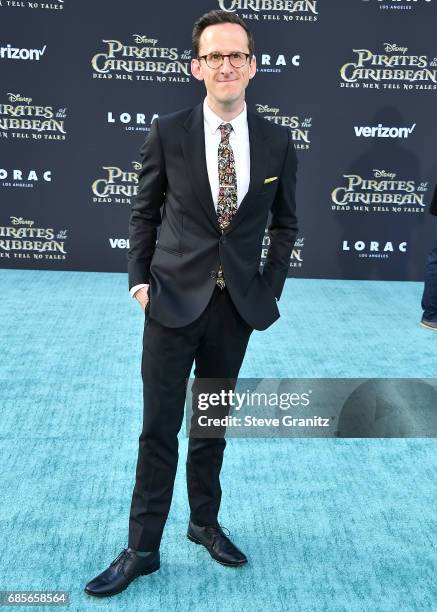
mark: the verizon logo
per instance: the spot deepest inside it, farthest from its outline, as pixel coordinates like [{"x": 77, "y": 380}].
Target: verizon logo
[
  {"x": 119, "y": 243},
  {"x": 10, "y": 52},
  {"x": 379, "y": 131}
]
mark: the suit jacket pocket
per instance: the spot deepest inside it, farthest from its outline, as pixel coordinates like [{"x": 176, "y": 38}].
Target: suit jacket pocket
[
  {"x": 269, "y": 187},
  {"x": 168, "y": 250}
]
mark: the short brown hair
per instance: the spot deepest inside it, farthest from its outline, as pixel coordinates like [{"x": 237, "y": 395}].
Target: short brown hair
[{"x": 214, "y": 17}]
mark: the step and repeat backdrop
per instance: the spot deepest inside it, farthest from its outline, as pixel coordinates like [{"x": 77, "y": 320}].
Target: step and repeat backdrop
[{"x": 355, "y": 81}]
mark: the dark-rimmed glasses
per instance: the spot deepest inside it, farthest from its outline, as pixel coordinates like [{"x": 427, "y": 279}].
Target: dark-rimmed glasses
[{"x": 215, "y": 60}]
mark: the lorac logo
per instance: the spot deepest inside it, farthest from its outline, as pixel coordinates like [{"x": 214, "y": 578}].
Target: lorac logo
[
  {"x": 17, "y": 177},
  {"x": 276, "y": 62},
  {"x": 143, "y": 61},
  {"x": 118, "y": 186},
  {"x": 299, "y": 127},
  {"x": 292, "y": 10},
  {"x": 22, "y": 119},
  {"x": 400, "y": 4},
  {"x": 374, "y": 249},
  {"x": 131, "y": 121},
  {"x": 382, "y": 193},
  {"x": 393, "y": 69}
]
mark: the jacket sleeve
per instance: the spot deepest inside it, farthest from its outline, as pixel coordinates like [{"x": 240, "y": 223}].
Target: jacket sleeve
[
  {"x": 283, "y": 226},
  {"x": 433, "y": 205},
  {"x": 145, "y": 215}
]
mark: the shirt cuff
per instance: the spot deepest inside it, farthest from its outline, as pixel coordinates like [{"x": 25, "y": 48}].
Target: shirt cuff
[{"x": 135, "y": 288}]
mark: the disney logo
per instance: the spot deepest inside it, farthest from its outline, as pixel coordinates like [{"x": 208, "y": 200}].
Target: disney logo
[
  {"x": 392, "y": 47},
  {"x": 21, "y": 221},
  {"x": 138, "y": 38},
  {"x": 18, "y": 98},
  {"x": 263, "y": 108}
]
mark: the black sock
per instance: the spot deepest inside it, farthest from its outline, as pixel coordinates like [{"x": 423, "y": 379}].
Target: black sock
[{"x": 140, "y": 553}]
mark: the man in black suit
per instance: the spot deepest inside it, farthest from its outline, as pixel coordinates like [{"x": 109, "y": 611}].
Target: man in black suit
[
  {"x": 217, "y": 169},
  {"x": 429, "y": 296}
]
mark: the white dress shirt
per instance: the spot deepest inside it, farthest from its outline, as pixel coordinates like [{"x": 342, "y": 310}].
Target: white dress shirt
[{"x": 239, "y": 141}]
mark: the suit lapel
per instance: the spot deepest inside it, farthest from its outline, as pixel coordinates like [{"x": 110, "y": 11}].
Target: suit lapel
[
  {"x": 259, "y": 154},
  {"x": 193, "y": 147}
]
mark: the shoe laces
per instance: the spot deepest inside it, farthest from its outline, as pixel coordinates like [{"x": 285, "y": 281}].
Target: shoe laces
[
  {"x": 218, "y": 530},
  {"x": 222, "y": 527},
  {"x": 123, "y": 553}
]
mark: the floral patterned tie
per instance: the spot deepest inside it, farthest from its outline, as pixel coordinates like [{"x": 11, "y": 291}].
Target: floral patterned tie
[{"x": 227, "y": 198}]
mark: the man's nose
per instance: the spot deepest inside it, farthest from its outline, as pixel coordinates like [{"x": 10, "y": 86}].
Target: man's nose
[{"x": 227, "y": 64}]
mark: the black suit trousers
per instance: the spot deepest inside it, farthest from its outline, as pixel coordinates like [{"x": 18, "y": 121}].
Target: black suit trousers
[{"x": 216, "y": 342}]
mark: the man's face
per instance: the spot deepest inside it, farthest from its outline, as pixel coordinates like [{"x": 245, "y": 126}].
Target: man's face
[{"x": 225, "y": 84}]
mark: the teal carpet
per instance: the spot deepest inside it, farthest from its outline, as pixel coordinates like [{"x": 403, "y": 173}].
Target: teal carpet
[{"x": 339, "y": 525}]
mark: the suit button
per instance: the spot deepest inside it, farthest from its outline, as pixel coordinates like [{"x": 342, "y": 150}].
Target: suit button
[{"x": 213, "y": 274}]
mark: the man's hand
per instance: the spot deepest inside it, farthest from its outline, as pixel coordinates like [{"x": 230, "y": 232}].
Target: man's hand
[{"x": 142, "y": 297}]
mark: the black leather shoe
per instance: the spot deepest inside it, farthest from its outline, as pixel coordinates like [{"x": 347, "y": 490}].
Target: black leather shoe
[
  {"x": 125, "y": 568},
  {"x": 217, "y": 544},
  {"x": 429, "y": 324}
]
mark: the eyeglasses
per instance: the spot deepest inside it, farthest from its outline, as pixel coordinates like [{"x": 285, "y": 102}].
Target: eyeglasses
[{"x": 215, "y": 60}]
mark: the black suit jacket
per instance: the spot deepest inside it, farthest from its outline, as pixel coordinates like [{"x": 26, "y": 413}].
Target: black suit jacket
[
  {"x": 181, "y": 266},
  {"x": 433, "y": 205}
]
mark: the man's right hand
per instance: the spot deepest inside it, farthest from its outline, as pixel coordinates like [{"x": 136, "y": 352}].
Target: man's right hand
[{"x": 142, "y": 297}]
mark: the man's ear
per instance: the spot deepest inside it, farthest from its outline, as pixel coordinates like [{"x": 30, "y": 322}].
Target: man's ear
[
  {"x": 252, "y": 67},
  {"x": 196, "y": 70}
]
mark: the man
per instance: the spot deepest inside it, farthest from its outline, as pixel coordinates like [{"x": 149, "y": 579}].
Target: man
[
  {"x": 217, "y": 169},
  {"x": 429, "y": 297}
]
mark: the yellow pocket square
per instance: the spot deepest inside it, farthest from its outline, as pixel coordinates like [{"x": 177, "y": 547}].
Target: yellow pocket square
[{"x": 270, "y": 179}]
